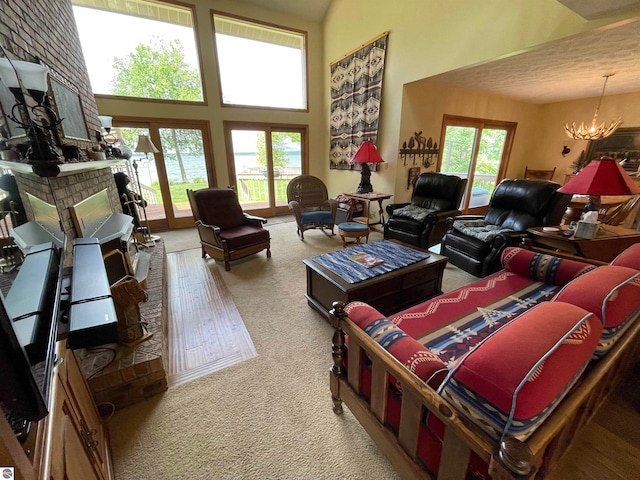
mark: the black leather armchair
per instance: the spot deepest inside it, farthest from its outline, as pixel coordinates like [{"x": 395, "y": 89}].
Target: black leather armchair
[
  {"x": 423, "y": 222},
  {"x": 474, "y": 243}
]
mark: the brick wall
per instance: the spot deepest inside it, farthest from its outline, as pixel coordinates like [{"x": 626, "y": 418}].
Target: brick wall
[
  {"x": 65, "y": 191},
  {"x": 47, "y": 29}
]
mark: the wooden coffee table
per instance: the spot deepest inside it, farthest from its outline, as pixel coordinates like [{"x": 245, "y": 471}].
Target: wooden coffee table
[
  {"x": 389, "y": 292},
  {"x": 608, "y": 242}
]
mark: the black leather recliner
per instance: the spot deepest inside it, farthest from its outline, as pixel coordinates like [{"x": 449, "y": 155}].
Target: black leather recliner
[
  {"x": 474, "y": 243},
  {"x": 423, "y": 222}
]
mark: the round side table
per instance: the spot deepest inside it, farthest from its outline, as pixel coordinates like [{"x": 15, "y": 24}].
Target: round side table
[{"x": 355, "y": 230}]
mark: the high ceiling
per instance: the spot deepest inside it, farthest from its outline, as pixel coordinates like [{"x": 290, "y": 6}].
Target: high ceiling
[
  {"x": 564, "y": 70},
  {"x": 313, "y": 10}
]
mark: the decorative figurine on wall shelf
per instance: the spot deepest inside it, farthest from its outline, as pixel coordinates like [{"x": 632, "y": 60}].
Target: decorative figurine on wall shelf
[{"x": 422, "y": 148}]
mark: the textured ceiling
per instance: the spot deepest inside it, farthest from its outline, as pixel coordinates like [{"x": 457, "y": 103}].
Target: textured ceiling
[{"x": 563, "y": 70}]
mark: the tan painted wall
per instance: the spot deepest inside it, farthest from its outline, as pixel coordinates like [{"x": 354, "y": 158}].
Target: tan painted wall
[
  {"x": 424, "y": 106},
  {"x": 540, "y": 135},
  {"x": 626, "y": 106},
  {"x": 428, "y": 37},
  {"x": 214, "y": 112}
]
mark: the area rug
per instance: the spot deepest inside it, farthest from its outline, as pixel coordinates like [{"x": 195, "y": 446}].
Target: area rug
[{"x": 268, "y": 417}]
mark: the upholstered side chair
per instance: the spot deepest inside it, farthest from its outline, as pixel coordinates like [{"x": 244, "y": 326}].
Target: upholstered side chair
[
  {"x": 423, "y": 222},
  {"x": 226, "y": 232},
  {"x": 310, "y": 204},
  {"x": 474, "y": 243}
]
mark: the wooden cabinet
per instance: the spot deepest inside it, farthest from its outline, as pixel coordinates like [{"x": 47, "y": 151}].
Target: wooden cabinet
[
  {"x": 79, "y": 443},
  {"x": 71, "y": 443}
]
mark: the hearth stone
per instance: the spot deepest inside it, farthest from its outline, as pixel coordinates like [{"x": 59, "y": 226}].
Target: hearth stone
[{"x": 121, "y": 376}]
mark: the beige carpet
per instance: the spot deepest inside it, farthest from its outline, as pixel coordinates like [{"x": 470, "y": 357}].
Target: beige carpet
[{"x": 269, "y": 417}]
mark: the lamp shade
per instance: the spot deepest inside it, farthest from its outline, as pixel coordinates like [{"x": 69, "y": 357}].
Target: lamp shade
[
  {"x": 106, "y": 122},
  {"x": 367, "y": 153},
  {"x": 601, "y": 177},
  {"x": 145, "y": 145},
  {"x": 33, "y": 76}
]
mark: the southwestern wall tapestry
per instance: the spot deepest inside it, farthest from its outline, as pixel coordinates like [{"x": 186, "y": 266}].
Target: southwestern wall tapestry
[{"x": 356, "y": 92}]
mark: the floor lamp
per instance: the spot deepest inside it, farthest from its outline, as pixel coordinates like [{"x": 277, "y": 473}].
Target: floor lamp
[{"x": 146, "y": 146}]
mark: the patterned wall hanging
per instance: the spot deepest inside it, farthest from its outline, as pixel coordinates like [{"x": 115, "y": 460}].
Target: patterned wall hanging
[{"x": 356, "y": 92}]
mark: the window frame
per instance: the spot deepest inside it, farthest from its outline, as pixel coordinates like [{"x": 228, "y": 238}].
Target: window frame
[
  {"x": 268, "y": 128},
  {"x": 305, "y": 64},
  {"x": 194, "y": 27}
]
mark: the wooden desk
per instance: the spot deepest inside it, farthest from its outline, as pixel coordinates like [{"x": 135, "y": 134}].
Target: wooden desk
[
  {"x": 368, "y": 198},
  {"x": 605, "y": 246}
]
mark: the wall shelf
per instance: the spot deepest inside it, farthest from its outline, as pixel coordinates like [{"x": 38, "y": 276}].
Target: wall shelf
[{"x": 65, "y": 168}]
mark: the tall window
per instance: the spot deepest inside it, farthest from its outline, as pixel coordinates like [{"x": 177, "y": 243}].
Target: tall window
[
  {"x": 260, "y": 65},
  {"x": 139, "y": 48}
]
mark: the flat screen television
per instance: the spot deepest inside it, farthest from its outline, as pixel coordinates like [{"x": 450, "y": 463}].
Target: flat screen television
[{"x": 29, "y": 318}]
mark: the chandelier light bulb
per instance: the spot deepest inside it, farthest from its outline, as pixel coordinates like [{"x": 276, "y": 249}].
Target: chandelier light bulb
[{"x": 595, "y": 131}]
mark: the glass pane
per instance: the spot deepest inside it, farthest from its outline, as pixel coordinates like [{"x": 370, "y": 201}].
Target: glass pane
[
  {"x": 487, "y": 164},
  {"x": 141, "y": 169},
  {"x": 185, "y": 165},
  {"x": 247, "y": 56},
  {"x": 287, "y": 162},
  {"x": 456, "y": 154},
  {"x": 249, "y": 155},
  {"x": 159, "y": 45}
]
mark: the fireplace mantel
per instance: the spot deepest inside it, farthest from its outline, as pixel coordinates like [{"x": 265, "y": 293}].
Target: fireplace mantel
[{"x": 65, "y": 168}]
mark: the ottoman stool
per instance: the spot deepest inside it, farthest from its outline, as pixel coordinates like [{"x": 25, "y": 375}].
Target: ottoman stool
[{"x": 354, "y": 230}]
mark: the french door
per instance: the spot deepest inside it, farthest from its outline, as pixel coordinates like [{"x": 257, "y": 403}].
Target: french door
[
  {"x": 183, "y": 161},
  {"x": 479, "y": 150},
  {"x": 262, "y": 159}
]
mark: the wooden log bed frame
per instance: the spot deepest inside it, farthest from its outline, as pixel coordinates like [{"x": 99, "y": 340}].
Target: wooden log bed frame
[{"x": 534, "y": 458}]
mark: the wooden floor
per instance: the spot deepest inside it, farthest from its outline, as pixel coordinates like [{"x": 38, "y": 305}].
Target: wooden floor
[
  {"x": 205, "y": 330},
  {"x": 608, "y": 448}
]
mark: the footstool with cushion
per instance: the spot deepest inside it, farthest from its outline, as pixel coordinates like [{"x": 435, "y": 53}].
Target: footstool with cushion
[{"x": 355, "y": 230}]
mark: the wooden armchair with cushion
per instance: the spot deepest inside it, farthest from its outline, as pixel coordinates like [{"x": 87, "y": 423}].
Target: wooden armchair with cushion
[
  {"x": 309, "y": 201},
  {"x": 226, "y": 232}
]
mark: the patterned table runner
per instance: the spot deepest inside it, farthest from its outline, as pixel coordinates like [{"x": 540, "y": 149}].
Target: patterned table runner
[{"x": 393, "y": 256}]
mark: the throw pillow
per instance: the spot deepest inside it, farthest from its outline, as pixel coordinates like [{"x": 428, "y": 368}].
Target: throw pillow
[
  {"x": 408, "y": 351},
  {"x": 513, "y": 380},
  {"x": 479, "y": 229},
  {"x": 544, "y": 268},
  {"x": 414, "y": 212}
]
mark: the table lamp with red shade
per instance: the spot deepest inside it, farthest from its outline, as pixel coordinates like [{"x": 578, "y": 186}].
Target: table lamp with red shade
[
  {"x": 366, "y": 154},
  {"x": 603, "y": 176}
]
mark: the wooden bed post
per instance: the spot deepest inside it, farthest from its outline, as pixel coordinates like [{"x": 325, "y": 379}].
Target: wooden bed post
[
  {"x": 338, "y": 350},
  {"x": 514, "y": 460}
]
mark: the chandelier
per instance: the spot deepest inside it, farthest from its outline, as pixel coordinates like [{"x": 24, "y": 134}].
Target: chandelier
[{"x": 595, "y": 131}]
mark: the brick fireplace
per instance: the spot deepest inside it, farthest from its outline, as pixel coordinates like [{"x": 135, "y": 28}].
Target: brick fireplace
[
  {"x": 131, "y": 373},
  {"x": 46, "y": 29},
  {"x": 67, "y": 189}
]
